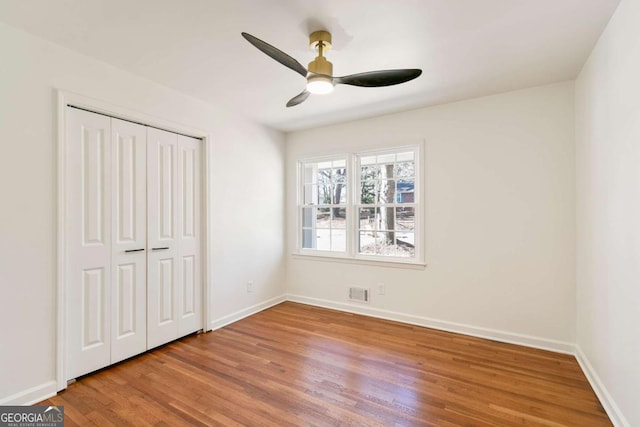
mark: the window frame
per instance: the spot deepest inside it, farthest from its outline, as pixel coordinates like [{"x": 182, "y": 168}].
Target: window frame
[{"x": 353, "y": 203}]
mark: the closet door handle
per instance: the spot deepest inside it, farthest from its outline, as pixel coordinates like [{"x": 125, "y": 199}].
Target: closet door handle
[
  {"x": 134, "y": 250},
  {"x": 160, "y": 249}
]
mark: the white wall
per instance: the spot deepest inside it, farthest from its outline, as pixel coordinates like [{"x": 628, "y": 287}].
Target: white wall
[
  {"x": 500, "y": 218},
  {"x": 607, "y": 103},
  {"x": 247, "y": 245}
]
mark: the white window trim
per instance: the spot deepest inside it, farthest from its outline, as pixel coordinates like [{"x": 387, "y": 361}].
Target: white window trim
[{"x": 351, "y": 255}]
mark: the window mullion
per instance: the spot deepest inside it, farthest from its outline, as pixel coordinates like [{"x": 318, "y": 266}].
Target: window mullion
[{"x": 353, "y": 176}]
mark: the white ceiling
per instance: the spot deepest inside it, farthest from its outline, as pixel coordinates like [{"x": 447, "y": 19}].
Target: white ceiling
[{"x": 466, "y": 48}]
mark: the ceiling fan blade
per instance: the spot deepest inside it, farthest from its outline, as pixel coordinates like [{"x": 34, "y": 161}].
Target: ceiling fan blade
[
  {"x": 276, "y": 54},
  {"x": 378, "y": 78},
  {"x": 298, "y": 99}
]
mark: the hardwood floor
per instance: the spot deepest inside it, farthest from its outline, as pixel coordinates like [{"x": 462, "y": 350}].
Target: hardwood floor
[{"x": 297, "y": 365}]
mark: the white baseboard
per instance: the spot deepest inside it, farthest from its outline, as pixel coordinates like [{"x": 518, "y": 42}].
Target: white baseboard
[
  {"x": 30, "y": 396},
  {"x": 492, "y": 334},
  {"x": 609, "y": 405},
  {"x": 245, "y": 312}
]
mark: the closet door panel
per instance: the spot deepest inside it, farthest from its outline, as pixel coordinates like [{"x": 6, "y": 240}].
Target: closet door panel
[
  {"x": 189, "y": 230},
  {"x": 87, "y": 242},
  {"x": 163, "y": 285},
  {"x": 129, "y": 240}
]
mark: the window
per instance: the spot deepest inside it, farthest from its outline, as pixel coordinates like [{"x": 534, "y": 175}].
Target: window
[
  {"x": 386, "y": 208},
  {"x": 324, "y": 207},
  {"x": 362, "y": 206}
]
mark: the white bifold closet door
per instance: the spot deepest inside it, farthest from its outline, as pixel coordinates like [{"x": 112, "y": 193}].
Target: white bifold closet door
[
  {"x": 106, "y": 240},
  {"x": 128, "y": 240},
  {"x": 88, "y": 242},
  {"x": 132, "y": 238},
  {"x": 174, "y": 307}
]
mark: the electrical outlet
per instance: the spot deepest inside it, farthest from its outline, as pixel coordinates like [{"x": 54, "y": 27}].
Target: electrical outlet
[
  {"x": 381, "y": 289},
  {"x": 250, "y": 286}
]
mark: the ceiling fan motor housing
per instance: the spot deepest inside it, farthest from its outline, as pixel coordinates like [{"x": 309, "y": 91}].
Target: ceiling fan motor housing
[
  {"x": 318, "y": 37},
  {"x": 320, "y": 41},
  {"x": 321, "y": 66}
]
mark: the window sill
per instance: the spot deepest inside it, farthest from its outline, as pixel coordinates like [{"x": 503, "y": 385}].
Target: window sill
[{"x": 361, "y": 261}]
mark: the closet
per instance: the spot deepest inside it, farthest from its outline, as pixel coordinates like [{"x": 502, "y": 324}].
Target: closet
[{"x": 132, "y": 239}]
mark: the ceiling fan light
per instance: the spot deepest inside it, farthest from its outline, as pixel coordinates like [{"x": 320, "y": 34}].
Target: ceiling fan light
[{"x": 319, "y": 85}]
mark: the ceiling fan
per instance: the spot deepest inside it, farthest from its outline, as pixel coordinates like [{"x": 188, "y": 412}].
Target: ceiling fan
[{"x": 320, "y": 79}]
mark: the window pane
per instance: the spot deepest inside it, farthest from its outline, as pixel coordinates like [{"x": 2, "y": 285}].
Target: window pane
[
  {"x": 386, "y": 219},
  {"x": 324, "y": 165},
  {"x": 369, "y": 160},
  {"x": 323, "y": 217},
  {"x": 367, "y": 242},
  {"x": 386, "y": 243},
  {"x": 406, "y": 244},
  {"x": 323, "y": 178},
  {"x": 369, "y": 172},
  {"x": 308, "y": 172},
  {"x": 404, "y": 157},
  {"x": 339, "y": 163},
  {"x": 339, "y": 218},
  {"x": 339, "y": 240},
  {"x": 376, "y": 243},
  {"x": 323, "y": 239},
  {"x": 368, "y": 218},
  {"x": 339, "y": 175},
  {"x": 310, "y": 196},
  {"x": 405, "y": 170},
  {"x": 308, "y": 238},
  {"x": 324, "y": 194},
  {"x": 406, "y": 191},
  {"x": 339, "y": 194},
  {"x": 387, "y": 191},
  {"x": 386, "y": 170},
  {"x": 405, "y": 219},
  {"x": 386, "y": 247},
  {"x": 324, "y": 175},
  {"x": 387, "y": 158},
  {"x": 367, "y": 192},
  {"x": 308, "y": 217}
]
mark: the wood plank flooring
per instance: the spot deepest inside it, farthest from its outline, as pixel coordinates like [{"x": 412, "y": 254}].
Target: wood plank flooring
[{"x": 297, "y": 365}]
